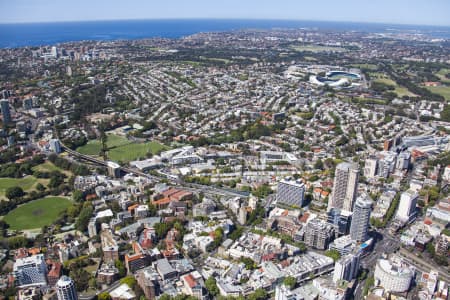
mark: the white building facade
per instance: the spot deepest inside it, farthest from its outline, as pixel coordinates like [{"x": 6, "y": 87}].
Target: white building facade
[
  {"x": 65, "y": 288},
  {"x": 345, "y": 186},
  {"x": 393, "y": 274},
  {"x": 407, "y": 206},
  {"x": 291, "y": 192},
  {"x": 30, "y": 271},
  {"x": 361, "y": 219}
]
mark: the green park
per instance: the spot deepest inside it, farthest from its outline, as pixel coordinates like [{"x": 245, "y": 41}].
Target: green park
[
  {"x": 27, "y": 183},
  {"x": 37, "y": 213},
  {"x": 122, "y": 149}
]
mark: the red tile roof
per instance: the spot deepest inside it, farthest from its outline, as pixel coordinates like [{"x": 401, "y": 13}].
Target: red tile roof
[
  {"x": 55, "y": 271},
  {"x": 133, "y": 257},
  {"x": 132, "y": 207},
  {"x": 180, "y": 195},
  {"x": 34, "y": 251},
  {"x": 190, "y": 280},
  {"x": 162, "y": 201},
  {"x": 304, "y": 218}
]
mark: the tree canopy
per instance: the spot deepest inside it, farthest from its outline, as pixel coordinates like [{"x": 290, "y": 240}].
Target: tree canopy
[{"x": 14, "y": 192}]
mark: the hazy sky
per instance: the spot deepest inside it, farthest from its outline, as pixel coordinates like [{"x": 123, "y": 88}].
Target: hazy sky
[{"x": 431, "y": 12}]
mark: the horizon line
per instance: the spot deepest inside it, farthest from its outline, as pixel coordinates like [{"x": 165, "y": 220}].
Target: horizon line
[{"x": 221, "y": 19}]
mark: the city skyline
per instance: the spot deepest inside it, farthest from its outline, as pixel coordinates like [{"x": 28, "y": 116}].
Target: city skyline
[{"x": 434, "y": 13}]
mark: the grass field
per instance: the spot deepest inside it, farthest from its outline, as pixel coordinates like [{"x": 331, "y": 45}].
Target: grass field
[
  {"x": 36, "y": 214},
  {"x": 365, "y": 66},
  {"x": 133, "y": 151},
  {"x": 382, "y": 78},
  {"x": 192, "y": 63},
  {"x": 386, "y": 80},
  {"x": 441, "y": 90},
  {"x": 121, "y": 149},
  {"x": 50, "y": 167},
  {"x": 93, "y": 147},
  {"x": 28, "y": 184},
  {"x": 370, "y": 101},
  {"x": 317, "y": 48},
  {"x": 46, "y": 167},
  {"x": 402, "y": 91},
  {"x": 441, "y": 75},
  {"x": 25, "y": 183},
  {"x": 215, "y": 59}
]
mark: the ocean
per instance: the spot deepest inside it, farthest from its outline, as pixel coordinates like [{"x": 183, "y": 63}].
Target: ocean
[{"x": 37, "y": 34}]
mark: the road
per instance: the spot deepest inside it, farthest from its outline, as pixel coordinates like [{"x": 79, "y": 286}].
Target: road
[
  {"x": 387, "y": 244},
  {"x": 423, "y": 265},
  {"x": 198, "y": 187}
]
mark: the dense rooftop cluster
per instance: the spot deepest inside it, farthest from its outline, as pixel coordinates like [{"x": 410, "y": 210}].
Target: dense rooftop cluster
[{"x": 299, "y": 164}]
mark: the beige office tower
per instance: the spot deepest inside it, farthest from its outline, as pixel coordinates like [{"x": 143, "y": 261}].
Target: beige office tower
[{"x": 345, "y": 186}]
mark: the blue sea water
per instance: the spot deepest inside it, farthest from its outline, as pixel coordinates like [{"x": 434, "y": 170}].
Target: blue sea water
[{"x": 35, "y": 34}]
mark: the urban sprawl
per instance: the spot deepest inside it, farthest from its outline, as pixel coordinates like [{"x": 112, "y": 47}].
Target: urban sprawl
[{"x": 253, "y": 164}]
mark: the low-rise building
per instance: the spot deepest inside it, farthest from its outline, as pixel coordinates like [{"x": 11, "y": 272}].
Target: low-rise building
[
  {"x": 165, "y": 270},
  {"x": 123, "y": 292}
]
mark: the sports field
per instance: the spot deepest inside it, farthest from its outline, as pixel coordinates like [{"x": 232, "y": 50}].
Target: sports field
[
  {"x": 442, "y": 90},
  {"x": 37, "y": 213},
  {"x": 133, "y": 151},
  {"x": 93, "y": 147},
  {"x": 122, "y": 149}
]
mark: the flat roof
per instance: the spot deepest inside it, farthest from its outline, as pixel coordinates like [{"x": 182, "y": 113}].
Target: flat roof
[{"x": 164, "y": 266}]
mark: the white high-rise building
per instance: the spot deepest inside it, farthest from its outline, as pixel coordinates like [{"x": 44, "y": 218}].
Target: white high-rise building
[
  {"x": 30, "y": 271},
  {"x": 54, "y": 52},
  {"x": 407, "y": 206},
  {"x": 291, "y": 192},
  {"x": 346, "y": 268},
  {"x": 361, "y": 219},
  {"x": 393, "y": 274},
  {"x": 370, "y": 167},
  {"x": 345, "y": 186},
  {"x": 65, "y": 288}
]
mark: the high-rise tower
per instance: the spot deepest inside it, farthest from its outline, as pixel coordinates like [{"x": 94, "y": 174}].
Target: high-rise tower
[
  {"x": 345, "y": 186},
  {"x": 407, "y": 206},
  {"x": 6, "y": 114},
  {"x": 65, "y": 288},
  {"x": 361, "y": 218}
]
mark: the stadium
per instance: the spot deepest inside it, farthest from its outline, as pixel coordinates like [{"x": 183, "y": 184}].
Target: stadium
[{"x": 336, "y": 79}]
